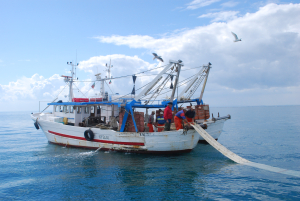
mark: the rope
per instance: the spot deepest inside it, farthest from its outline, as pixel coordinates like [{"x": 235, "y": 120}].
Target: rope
[
  {"x": 109, "y": 87},
  {"x": 179, "y": 85},
  {"x": 55, "y": 98},
  {"x": 138, "y": 74},
  {"x": 81, "y": 91},
  {"x": 86, "y": 92}
]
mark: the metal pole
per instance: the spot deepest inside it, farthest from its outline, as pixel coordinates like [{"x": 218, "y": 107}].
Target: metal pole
[
  {"x": 202, "y": 91},
  {"x": 176, "y": 81}
]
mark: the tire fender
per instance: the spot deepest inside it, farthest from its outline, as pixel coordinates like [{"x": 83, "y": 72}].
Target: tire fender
[
  {"x": 89, "y": 135},
  {"x": 36, "y": 125}
]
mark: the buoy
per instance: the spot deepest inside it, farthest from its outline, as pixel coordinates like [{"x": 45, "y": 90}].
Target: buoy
[{"x": 65, "y": 120}]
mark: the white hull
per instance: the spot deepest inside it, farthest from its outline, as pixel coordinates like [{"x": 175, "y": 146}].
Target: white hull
[
  {"x": 214, "y": 129},
  {"x": 141, "y": 142}
]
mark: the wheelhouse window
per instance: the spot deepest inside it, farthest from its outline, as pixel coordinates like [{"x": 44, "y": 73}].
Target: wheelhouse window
[
  {"x": 65, "y": 109},
  {"x": 86, "y": 110},
  {"x": 71, "y": 109},
  {"x": 78, "y": 110},
  {"x": 98, "y": 109}
]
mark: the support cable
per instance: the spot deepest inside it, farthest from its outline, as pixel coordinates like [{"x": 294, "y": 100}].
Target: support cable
[
  {"x": 55, "y": 97},
  {"x": 138, "y": 73},
  {"x": 156, "y": 89},
  {"x": 109, "y": 87},
  {"x": 179, "y": 84},
  {"x": 80, "y": 90}
]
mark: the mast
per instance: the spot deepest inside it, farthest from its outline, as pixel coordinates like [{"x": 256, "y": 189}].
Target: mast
[
  {"x": 70, "y": 79},
  {"x": 98, "y": 78},
  {"x": 108, "y": 68},
  {"x": 178, "y": 68},
  {"x": 102, "y": 89},
  {"x": 193, "y": 85},
  {"x": 207, "y": 72}
]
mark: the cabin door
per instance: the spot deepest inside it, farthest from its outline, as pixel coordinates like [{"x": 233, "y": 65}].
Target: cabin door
[{"x": 92, "y": 111}]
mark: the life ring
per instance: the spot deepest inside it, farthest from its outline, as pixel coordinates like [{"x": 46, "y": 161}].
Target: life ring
[
  {"x": 89, "y": 135},
  {"x": 36, "y": 125}
]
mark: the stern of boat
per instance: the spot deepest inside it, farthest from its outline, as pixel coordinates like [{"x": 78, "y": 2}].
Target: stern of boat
[{"x": 214, "y": 127}]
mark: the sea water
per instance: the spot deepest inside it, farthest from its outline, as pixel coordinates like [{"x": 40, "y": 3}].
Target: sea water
[{"x": 33, "y": 169}]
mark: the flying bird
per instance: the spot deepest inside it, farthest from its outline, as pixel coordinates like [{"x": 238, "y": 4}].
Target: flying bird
[
  {"x": 236, "y": 38},
  {"x": 157, "y": 57}
]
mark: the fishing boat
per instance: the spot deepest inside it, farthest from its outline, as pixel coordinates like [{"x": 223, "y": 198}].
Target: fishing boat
[{"x": 116, "y": 122}]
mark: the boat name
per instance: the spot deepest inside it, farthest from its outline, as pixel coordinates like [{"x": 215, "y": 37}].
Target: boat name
[
  {"x": 146, "y": 134},
  {"x": 104, "y": 137}
]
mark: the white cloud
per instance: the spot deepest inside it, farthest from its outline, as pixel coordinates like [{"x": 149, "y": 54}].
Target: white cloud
[
  {"x": 267, "y": 57},
  {"x": 122, "y": 66},
  {"x": 221, "y": 16},
  {"x": 31, "y": 88},
  {"x": 200, "y": 3}
]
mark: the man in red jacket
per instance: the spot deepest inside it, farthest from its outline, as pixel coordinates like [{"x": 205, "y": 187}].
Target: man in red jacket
[{"x": 168, "y": 116}]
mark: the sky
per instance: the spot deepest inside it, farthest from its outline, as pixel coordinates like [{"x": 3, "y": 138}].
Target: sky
[{"x": 38, "y": 38}]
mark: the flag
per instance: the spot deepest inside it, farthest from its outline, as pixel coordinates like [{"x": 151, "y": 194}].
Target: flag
[
  {"x": 93, "y": 85},
  {"x": 109, "y": 81}
]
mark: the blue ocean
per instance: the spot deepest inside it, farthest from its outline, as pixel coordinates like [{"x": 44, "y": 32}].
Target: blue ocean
[{"x": 33, "y": 169}]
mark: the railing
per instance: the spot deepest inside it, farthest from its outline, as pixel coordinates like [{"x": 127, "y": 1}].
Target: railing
[{"x": 47, "y": 106}]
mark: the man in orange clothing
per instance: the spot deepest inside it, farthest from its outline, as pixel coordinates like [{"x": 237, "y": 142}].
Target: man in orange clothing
[
  {"x": 178, "y": 119},
  {"x": 190, "y": 115},
  {"x": 150, "y": 122}
]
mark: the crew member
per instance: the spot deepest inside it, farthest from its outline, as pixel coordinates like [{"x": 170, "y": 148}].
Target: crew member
[
  {"x": 150, "y": 122},
  {"x": 160, "y": 121},
  {"x": 178, "y": 119},
  {"x": 190, "y": 115},
  {"x": 168, "y": 116}
]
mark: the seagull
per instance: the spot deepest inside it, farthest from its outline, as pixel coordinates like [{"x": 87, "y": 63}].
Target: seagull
[
  {"x": 157, "y": 57},
  {"x": 236, "y": 38}
]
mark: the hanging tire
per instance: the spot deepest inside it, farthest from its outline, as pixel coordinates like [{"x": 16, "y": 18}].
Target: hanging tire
[
  {"x": 204, "y": 126},
  {"x": 36, "y": 125},
  {"x": 89, "y": 135}
]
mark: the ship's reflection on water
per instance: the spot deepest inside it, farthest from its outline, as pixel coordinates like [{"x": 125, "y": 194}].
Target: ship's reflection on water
[{"x": 139, "y": 176}]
